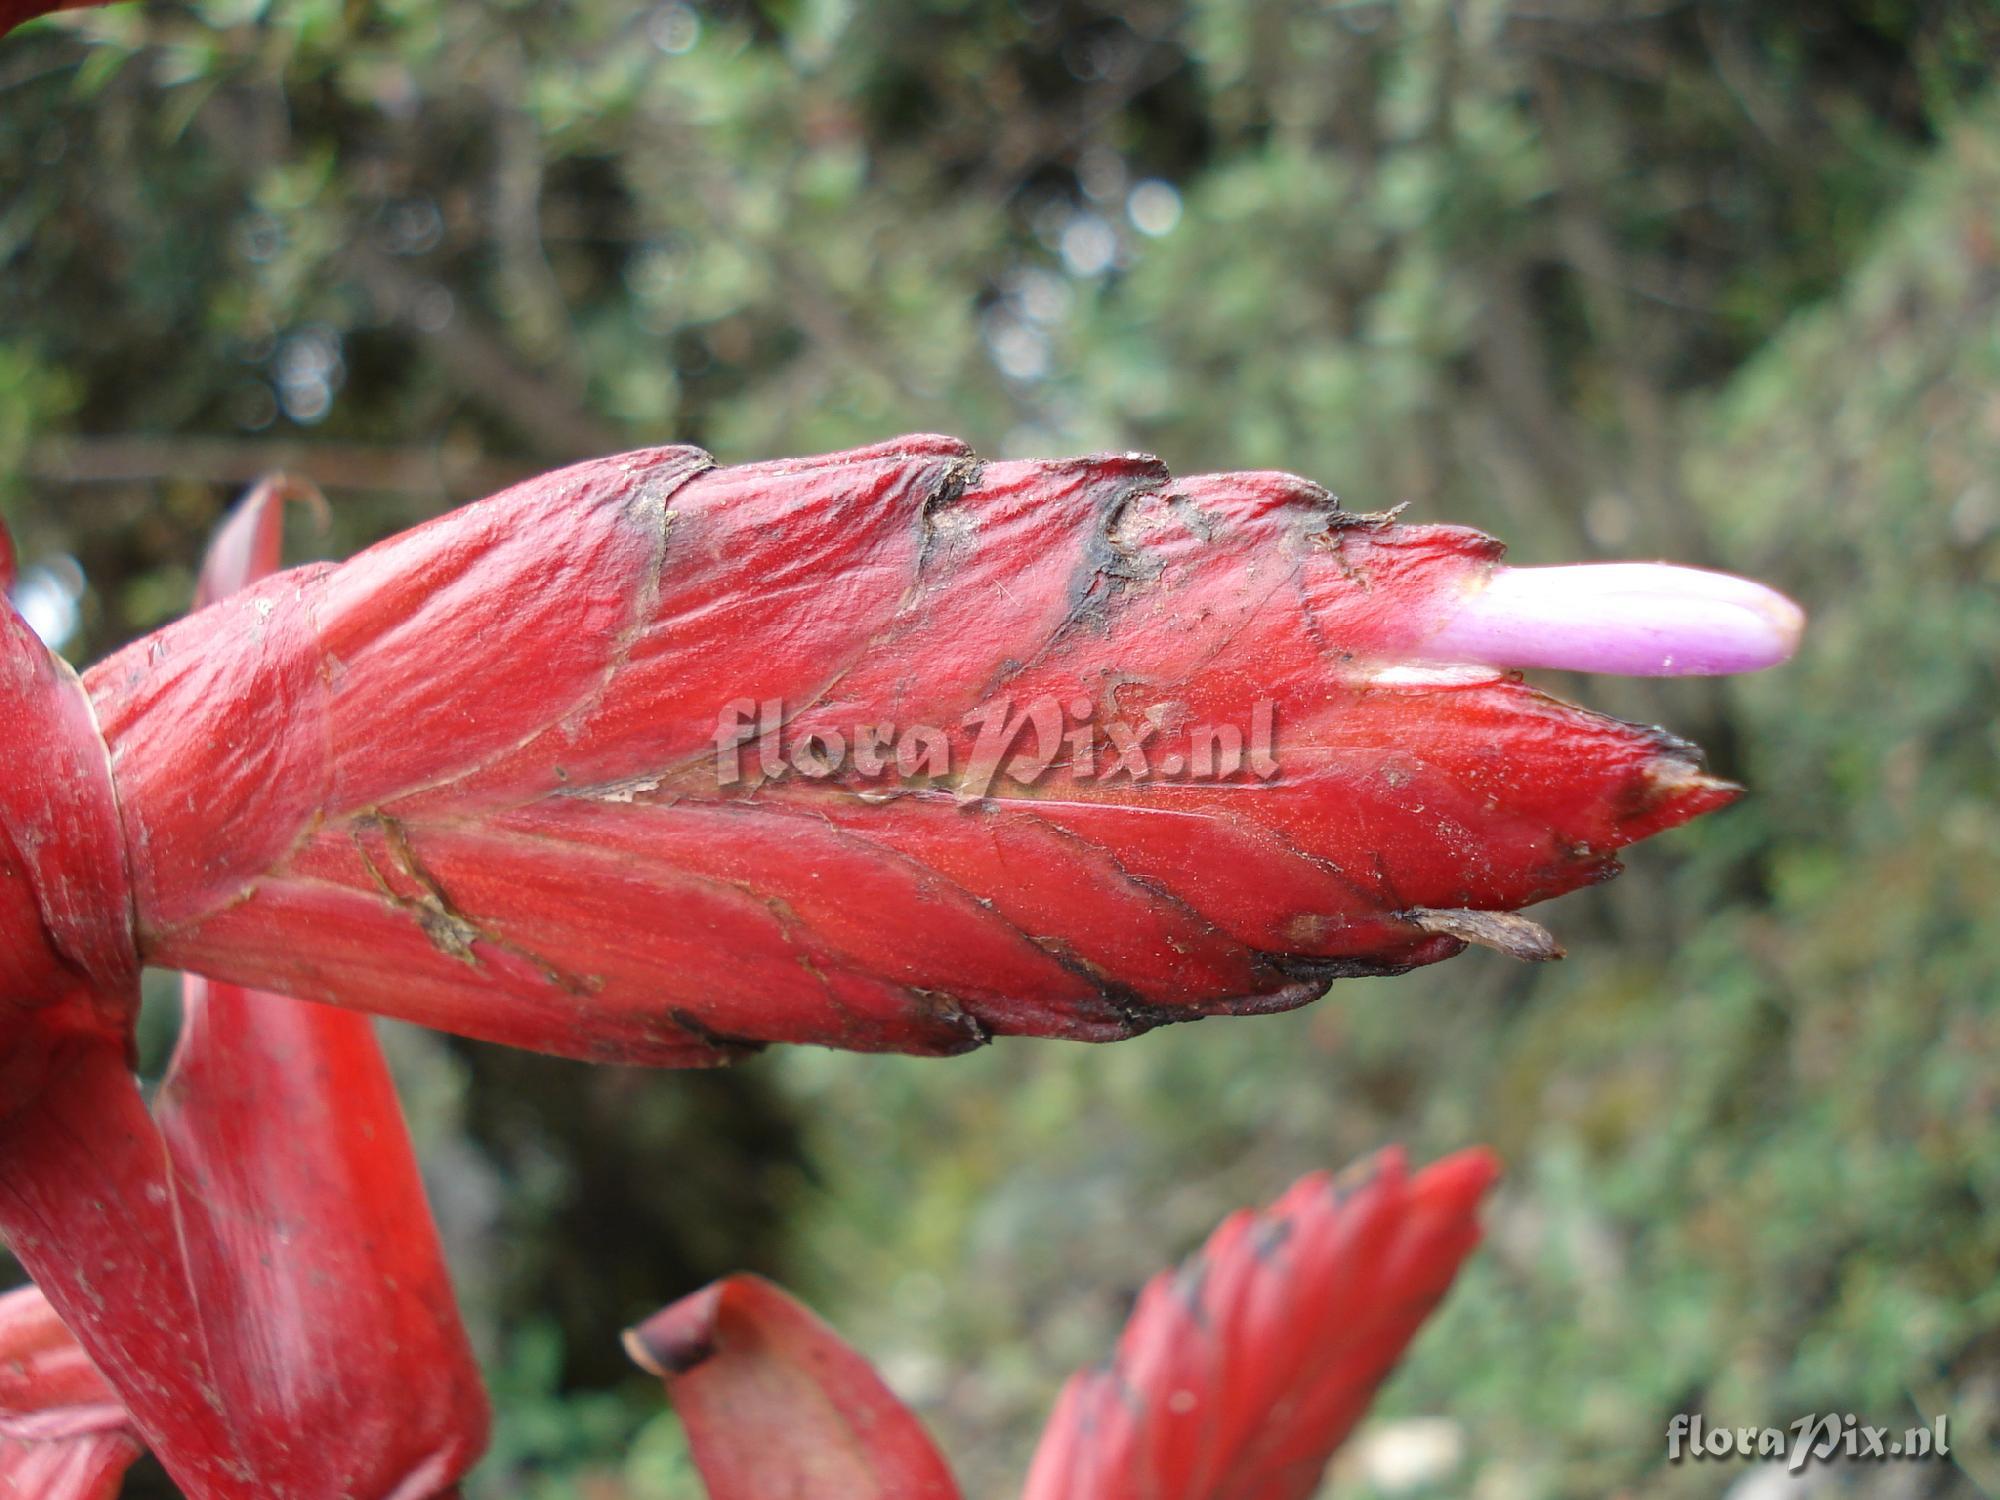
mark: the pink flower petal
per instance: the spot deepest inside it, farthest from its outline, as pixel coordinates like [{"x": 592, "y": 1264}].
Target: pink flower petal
[{"x": 1634, "y": 619}]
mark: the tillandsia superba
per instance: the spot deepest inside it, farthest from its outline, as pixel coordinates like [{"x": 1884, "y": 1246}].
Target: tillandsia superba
[
  {"x": 508, "y": 775},
  {"x": 655, "y": 761},
  {"x": 488, "y": 775}
]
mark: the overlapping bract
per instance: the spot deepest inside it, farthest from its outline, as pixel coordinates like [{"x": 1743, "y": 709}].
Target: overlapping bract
[
  {"x": 1236, "y": 1378},
  {"x": 470, "y": 776}
]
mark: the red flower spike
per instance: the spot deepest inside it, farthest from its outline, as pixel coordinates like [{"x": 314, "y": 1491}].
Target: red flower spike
[
  {"x": 502, "y": 774},
  {"x": 775, "y": 1404},
  {"x": 1240, "y": 1373},
  {"x": 177, "y": 1252},
  {"x": 64, "y": 1434}
]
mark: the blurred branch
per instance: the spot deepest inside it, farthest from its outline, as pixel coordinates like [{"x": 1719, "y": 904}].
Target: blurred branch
[
  {"x": 1737, "y": 67},
  {"x": 130, "y": 458},
  {"x": 481, "y": 364},
  {"x": 552, "y": 416},
  {"x": 832, "y": 326},
  {"x": 1026, "y": 140},
  {"x": 520, "y": 170},
  {"x": 1648, "y": 452}
]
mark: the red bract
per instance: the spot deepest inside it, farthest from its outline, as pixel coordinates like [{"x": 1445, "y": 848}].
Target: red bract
[
  {"x": 255, "y": 1272},
  {"x": 487, "y": 776},
  {"x": 1236, "y": 1379}
]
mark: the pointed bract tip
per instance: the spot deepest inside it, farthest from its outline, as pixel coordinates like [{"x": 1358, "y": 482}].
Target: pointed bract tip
[
  {"x": 1631, "y": 619},
  {"x": 248, "y": 544},
  {"x": 1673, "y": 790},
  {"x": 679, "y": 1336},
  {"x": 1675, "y": 777},
  {"x": 663, "y": 1357},
  {"x": 1505, "y": 932},
  {"x": 641, "y": 1353},
  {"x": 1455, "y": 1185},
  {"x": 1391, "y": 1164}
]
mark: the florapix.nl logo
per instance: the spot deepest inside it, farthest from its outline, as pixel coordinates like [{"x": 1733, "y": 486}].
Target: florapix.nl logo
[{"x": 1032, "y": 743}]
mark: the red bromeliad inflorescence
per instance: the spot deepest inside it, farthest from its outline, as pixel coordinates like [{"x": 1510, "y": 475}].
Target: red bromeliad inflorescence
[
  {"x": 650, "y": 760},
  {"x": 1240, "y": 1373},
  {"x": 492, "y": 774}
]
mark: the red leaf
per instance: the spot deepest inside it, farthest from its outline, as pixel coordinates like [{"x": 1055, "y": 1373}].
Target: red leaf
[
  {"x": 67, "y": 949},
  {"x": 82, "y": 1199},
  {"x": 777, "y": 1407},
  {"x": 1240, "y": 1373},
  {"x": 323, "y": 1290},
  {"x": 470, "y": 777},
  {"x": 64, "y": 1434},
  {"x": 87, "y": 1203}
]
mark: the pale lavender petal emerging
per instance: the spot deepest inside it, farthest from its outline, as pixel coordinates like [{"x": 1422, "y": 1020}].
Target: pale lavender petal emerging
[{"x": 1633, "y": 619}]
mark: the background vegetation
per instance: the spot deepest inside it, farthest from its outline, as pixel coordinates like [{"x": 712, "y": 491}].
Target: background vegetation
[{"x": 1681, "y": 278}]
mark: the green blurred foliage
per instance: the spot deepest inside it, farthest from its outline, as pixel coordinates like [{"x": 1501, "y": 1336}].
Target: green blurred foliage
[{"x": 1707, "y": 280}]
